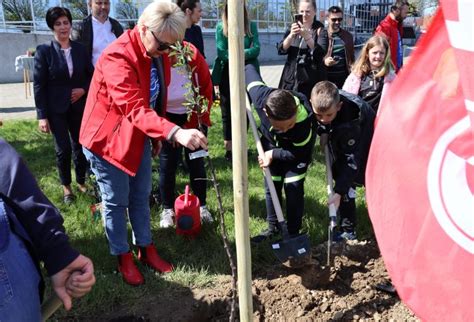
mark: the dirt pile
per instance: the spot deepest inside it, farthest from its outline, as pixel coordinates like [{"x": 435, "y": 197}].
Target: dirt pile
[{"x": 344, "y": 291}]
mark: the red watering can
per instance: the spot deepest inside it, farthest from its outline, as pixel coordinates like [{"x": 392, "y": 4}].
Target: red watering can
[{"x": 188, "y": 218}]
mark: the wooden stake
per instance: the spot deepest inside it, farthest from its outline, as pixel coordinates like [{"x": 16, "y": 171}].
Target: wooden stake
[{"x": 239, "y": 156}]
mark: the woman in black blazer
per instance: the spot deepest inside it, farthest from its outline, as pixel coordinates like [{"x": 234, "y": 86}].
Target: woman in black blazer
[{"x": 62, "y": 75}]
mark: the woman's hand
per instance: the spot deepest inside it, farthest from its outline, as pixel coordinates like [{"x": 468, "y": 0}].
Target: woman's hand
[
  {"x": 43, "y": 126},
  {"x": 295, "y": 29},
  {"x": 76, "y": 94},
  {"x": 192, "y": 139},
  {"x": 156, "y": 148}
]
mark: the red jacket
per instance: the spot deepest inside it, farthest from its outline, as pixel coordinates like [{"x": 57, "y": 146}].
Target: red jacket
[
  {"x": 117, "y": 117},
  {"x": 202, "y": 78},
  {"x": 390, "y": 28}
]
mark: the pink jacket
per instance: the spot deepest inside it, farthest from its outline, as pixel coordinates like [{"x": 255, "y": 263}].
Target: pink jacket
[{"x": 352, "y": 83}]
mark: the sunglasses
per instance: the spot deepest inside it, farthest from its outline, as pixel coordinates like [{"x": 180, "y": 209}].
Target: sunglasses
[
  {"x": 336, "y": 19},
  {"x": 162, "y": 46}
]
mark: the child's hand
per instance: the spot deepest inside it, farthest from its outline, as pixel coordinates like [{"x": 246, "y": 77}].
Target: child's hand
[
  {"x": 335, "y": 199},
  {"x": 268, "y": 159}
]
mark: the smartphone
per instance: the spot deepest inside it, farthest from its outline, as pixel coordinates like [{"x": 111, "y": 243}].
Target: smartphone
[{"x": 298, "y": 17}]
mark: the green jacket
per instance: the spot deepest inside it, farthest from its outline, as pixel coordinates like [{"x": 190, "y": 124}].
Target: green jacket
[{"x": 251, "y": 50}]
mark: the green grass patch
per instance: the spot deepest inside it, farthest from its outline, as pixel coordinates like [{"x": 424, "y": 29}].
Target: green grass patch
[{"x": 197, "y": 261}]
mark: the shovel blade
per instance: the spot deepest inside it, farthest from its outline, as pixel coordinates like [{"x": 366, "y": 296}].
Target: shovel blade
[{"x": 293, "y": 251}]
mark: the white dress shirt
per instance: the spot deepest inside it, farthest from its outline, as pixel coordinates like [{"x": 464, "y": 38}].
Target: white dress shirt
[{"x": 103, "y": 36}]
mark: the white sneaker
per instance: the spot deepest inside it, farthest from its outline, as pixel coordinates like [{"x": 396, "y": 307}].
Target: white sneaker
[
  {"x": 167, "y": 218},
  {"x": 206, "y": 215}
]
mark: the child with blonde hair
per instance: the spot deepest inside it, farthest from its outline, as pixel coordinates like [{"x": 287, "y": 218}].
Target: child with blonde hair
[{"x": 372, "y": 73}]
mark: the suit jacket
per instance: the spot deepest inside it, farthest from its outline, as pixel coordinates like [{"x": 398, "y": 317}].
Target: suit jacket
[
  {"x": 52, "y": 83},
  {"x": 83, "y": 32}
]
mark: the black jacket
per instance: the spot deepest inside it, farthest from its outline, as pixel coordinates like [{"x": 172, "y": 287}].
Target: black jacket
[
  {"x": 303, "y": 77},
  {"x": 52, "y": 83},
  {"x": 295, "y": 145},
  {"x": 350, "y": 134},
  {"x": 83, "y": 32}
]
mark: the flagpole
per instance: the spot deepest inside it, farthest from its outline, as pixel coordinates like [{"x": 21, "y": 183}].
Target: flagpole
[{"x": 239, "y": 156}]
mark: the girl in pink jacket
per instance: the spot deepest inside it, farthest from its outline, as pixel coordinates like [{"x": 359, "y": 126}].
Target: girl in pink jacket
[{"x": 372, "y": 72}]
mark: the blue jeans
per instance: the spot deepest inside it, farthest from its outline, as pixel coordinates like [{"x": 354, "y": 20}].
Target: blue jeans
[
  {"x": 19, "y": 278},
  {"x": 120, "y": 191}
]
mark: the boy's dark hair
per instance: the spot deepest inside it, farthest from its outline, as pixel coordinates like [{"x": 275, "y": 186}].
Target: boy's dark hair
[
  {"x": 187, "y": 4},
  {"x": 280, "y": 105},
  {"x": 398, "y": 4},
  {"x": 334, "y": 9},
  {"x": 55, "y": 13},
  {"x": 324, "y": 96}
]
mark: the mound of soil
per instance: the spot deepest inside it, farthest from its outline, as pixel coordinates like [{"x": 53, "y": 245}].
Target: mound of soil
[{"x": 345, "y": 290}]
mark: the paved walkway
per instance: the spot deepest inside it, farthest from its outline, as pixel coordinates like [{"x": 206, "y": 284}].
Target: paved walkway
[{"x": 14, "y": 104}]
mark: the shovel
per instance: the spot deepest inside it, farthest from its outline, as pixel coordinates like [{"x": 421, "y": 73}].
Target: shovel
[
  {"x": 332, "y": 207},
  {"x": 50, "y": 306},
  {"x": 292, "y": 251}
]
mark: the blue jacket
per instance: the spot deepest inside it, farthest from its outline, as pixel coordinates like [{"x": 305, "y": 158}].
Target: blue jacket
[{"x": 31, "y": 215}]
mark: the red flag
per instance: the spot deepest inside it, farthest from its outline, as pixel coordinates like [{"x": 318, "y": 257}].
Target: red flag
[{"x": 420, "y": 173}]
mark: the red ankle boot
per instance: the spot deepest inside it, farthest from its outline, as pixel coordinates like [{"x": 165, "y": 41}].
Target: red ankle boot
[
  {"x": 130, "y": 273},
  {"x": 149, "y": 256}
]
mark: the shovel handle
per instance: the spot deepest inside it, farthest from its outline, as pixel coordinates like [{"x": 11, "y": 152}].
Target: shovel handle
[
  {"x": 329, "y": 182},
  {"x": 266, "y": 171},
  {"x": 332, "y": 207},
  {"x": 50, "y": 306}
]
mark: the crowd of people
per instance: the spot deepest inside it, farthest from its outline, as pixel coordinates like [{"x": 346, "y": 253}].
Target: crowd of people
[{"x": 114, "y": 99}]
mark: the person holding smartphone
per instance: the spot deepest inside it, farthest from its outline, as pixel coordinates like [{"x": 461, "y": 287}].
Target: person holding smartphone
[
  {"x": 340, "y": 54},
  {"x": 305, "y": 45}
]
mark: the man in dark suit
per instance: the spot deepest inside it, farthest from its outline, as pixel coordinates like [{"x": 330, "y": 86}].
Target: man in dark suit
[{"x": 97, "y": 30}]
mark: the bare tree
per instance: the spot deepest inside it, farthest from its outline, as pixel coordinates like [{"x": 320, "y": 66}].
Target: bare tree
[
  {"x": 78, "y": 8},
  {"x": 126, "y": 9},
  {"x": 20, "y": 10}
]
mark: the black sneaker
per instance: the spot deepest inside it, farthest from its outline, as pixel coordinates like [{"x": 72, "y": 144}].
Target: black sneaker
[
  {"x": 264, "y": 235},
  {"x": 344, "y": 236}
]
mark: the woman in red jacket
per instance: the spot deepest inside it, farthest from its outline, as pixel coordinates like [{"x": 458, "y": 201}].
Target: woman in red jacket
[{"x": 122, "y": 128}]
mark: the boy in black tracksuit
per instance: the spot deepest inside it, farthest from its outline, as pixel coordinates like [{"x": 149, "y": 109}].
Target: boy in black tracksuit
[
  {"x": 288, "y": 136},
  {"x": 349, "y": 123}
]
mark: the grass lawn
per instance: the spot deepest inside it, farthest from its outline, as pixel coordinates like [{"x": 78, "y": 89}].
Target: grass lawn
[{"x": 198, "y": 262}]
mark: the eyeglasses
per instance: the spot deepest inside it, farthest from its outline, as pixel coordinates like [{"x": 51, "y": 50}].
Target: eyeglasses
[
  {"x": 162, "y": 46},
  {"x": 336, "y": 19}
]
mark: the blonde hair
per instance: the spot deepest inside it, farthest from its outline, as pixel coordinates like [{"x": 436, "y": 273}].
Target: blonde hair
[
  {"x": 164, "y": 18},
  {"x": 324, "y": 95},
  {"x": 362, "y": 65},
  {"x": 225, "y": 26}
]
